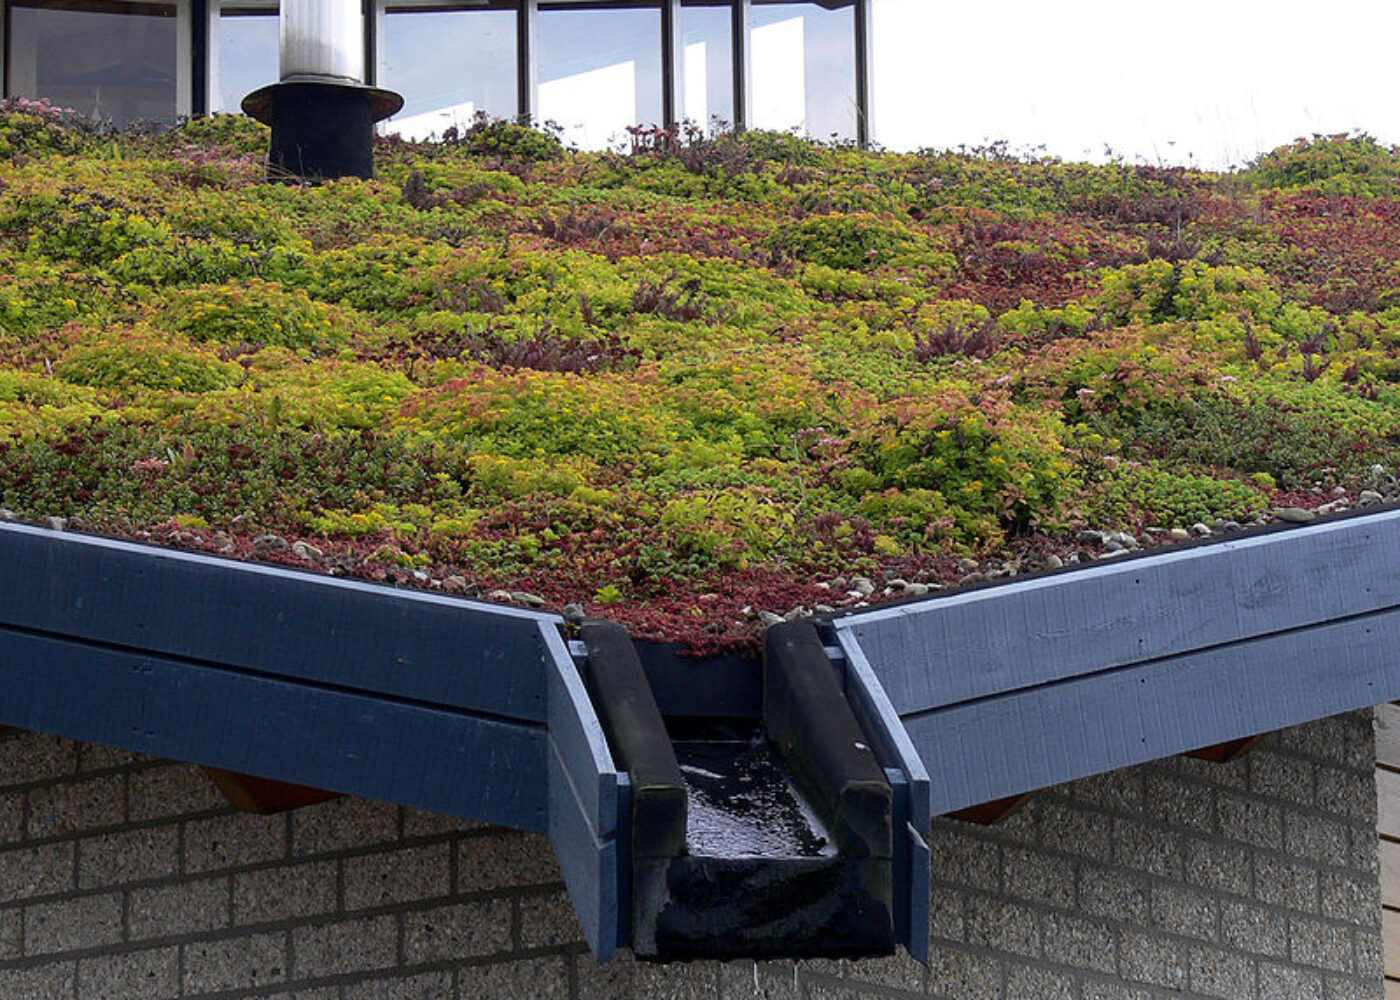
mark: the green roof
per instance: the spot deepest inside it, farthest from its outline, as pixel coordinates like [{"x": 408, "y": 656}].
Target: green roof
[{"x": 693, "y": 383}]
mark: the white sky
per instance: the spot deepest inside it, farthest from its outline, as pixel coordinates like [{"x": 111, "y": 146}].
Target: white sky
[{"x": 1205, "y": 82}]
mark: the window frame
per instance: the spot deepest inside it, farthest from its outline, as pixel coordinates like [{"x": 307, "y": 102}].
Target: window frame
[
  {"x": 185, "y": 50},
  {"x": 198, "y": 54}
]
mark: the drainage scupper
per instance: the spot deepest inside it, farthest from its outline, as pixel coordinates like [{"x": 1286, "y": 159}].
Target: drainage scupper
[{"x": 768, "y": 834}]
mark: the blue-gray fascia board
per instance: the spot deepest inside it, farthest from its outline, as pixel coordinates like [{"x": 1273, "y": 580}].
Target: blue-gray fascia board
[
  {"x": 407, "y": 752},
  {"x": 910, "y": 782},
  {"x": 1009, "y": 688},
  {"x": 286, "y": 623},
  {"x": 586, "y": 818},
  {"x": 399, "y": 695}
]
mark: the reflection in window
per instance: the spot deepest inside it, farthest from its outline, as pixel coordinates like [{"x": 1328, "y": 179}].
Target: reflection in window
[
  {"x": 110, "y": 60},
  {"x": 248, "y": 52},
  {"x": 707, "y": 84},
  {"x": 600, "y": 71},
  {"x": 448, "y": 64},
  {"x": 804, "y": 68}
]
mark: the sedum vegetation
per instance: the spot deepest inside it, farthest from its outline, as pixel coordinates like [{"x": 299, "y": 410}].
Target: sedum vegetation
[{"x": 693, "y": 382}]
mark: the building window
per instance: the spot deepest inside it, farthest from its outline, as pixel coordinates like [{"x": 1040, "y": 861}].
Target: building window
[
  {"x": 112, "y": 61},
  {"x": 448, "y": 62},
  {"x": 596, "y": 66},
  {"x": 707, "y": 65},
  {"x": 804, "y": 68},
  {"x": 599, "y": 71},
  {"x": 248, "y": 51}
]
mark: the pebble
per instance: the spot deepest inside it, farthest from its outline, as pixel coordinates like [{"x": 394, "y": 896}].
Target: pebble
[
  {"x": 223, "y": 542},
  {"x": 1122, "y": 538},
  {"x": 1054, "y": 562},
  {"x": 499, "y": 595},
  {"x": 968, "y": 565},
  {"x": 574, "y": 614},
  {"x": 421, "y": 575},
  {"x": 1294, "y": 515},
  {"x": 6, "y": 514},
  {"x": 57, "y": 523},
  {"x": 896, "y": 585},
  {"x": 769, "y": 618},
  {"x": 823, "y": 609},
  {"x": 526, "y": 598},
  {"x": 1114, "y": 554},
  {"x": 1178, "y": 534},
  {"x": 796, "y": 613},
  {"x": 307, "y": 551},
  {"x": 1090, "y": 538},
  {"x": 1113, "y": 545},
  {"x": 1200, "y": 530},
  {"x": 916, "y": 589},
  {"x": 269, "y": 543},
  {"x": 973, "y": 578},
  {"x": 457, "y": 584},
  {"x": 862, "y": 586},
  {"x": 1366, "y": 497}
]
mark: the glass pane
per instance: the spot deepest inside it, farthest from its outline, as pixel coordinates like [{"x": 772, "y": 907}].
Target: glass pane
[
  {"x": 804, "y": 69},
  {"x": 110, "y": 60},
  {"x": 600, "y": 71},
  {"x": 707, "y": 85},
  {"x": 448, "y": 64},
  {"x": 248, "y": 46}
]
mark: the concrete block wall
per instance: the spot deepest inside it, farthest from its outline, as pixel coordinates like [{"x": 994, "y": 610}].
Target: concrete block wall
[{"x": 125, "y": 878}]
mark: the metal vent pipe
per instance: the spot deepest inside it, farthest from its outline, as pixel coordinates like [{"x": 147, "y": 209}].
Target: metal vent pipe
[
  {"x": 321, "y": 113},
  {"x": 323, "y": 39}
]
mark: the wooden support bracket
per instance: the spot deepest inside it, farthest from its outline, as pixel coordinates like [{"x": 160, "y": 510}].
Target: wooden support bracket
[
  {"x": 1223, "y": 753},
  {"x": 987, "y": 813},
  {"x": 263, "y": 795}
]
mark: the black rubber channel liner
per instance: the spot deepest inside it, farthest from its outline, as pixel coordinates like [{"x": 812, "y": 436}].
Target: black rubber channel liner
[
  {"x": 809, "y": 719},
  {"x": 637, "y": 737}
]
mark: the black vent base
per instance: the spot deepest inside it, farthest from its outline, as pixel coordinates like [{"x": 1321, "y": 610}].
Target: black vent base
[{"x": 320, "y": 130}]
